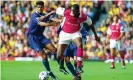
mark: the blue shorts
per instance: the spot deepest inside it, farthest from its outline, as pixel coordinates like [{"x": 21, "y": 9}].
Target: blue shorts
[
  {"x": 37, "y": 43},
  {"x": 71, "y": 50}
]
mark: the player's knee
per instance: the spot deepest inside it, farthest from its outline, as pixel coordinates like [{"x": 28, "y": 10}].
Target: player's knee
[
  {"x": 67, "y": 60},
  {"x": 79, "y": 45},
  {"x": 42, "y": 54},
  {"x": 54, "y": 50}
]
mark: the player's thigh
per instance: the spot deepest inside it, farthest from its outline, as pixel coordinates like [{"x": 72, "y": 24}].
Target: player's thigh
[
  {"x": 51, "y": 47},
  {"x": 120, "y": 53},
  {"x": 78, "y": 41},
  {"x": 112, "y": 43},
  {"x": 61, "y": 48},
  {"x": 112, "y": 51},
  {"x": 34, "y": 43},
  {"x": 119, "y": 46}
]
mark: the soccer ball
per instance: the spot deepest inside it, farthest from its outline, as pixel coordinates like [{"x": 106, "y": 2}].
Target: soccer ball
[{"x": 43, "y": 75}]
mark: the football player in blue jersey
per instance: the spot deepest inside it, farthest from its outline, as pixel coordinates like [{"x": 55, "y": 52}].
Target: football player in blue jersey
[{"x": 36, "y": 40}]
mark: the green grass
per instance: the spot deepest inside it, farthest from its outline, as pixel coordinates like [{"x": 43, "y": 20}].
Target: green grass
[{"x": 13, "y": 70}]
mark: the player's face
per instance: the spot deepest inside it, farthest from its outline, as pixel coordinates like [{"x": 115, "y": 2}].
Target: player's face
[
  {"x": 40, "y": 8},
  {"x": 115, "y": 19},
  {"x": 76, "y": 13}
]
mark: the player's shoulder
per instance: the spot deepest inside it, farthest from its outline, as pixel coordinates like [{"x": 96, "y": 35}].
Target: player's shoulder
[
  {"x": 67, "y": 12},
  {"x": 83, "y": 15},
  {"x": 34, "y": 14}
]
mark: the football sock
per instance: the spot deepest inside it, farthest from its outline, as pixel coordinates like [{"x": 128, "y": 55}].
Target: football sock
[
  {"x": 71, "y": 69},
  {"x": 79, "y": 56},
  {"x": 122, "y": 60},
  {"x": 112, "y": 61},
  {"x": 46, "y": 64}
]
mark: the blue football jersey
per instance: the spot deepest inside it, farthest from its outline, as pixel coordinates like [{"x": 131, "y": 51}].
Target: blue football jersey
[{"x": 34, "y": 28}]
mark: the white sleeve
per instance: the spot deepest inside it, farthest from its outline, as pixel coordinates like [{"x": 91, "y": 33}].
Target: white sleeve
[
  {"x": 88, "y": 21},
  {"x": 109, "y": 31},
  {"x": 60, "y": 11},
  {"x": 122, "y": 29}
]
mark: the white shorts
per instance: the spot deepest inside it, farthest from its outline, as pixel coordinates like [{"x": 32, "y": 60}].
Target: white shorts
[
  {"x": 118, "y": 45},
  {"x": 65, "y": 38}
]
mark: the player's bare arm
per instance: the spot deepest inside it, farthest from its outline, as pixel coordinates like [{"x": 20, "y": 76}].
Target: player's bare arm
[
  {"x": 46, "y": 16},
  {"x": 89, "y": 23},
  {"x": 47, "y": 24}
]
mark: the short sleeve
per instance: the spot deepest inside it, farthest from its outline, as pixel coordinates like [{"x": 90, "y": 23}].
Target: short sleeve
[
  {"x": 109, "y": 31},
  {"x": 60, "y": 11},
  {"x": 88, "y": 21},
  {"x": 122, "y": 29}
]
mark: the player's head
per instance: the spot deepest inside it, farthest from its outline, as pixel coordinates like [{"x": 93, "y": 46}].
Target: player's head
[
  {"x": 115, "y": 18},
  {"x": 40, "y": 6},
  {"x": 75, "y": 10}
]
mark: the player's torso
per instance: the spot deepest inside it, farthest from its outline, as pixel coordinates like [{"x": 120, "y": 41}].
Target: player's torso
[
  {"x": 71, "y": 23},
  {"x": 34, "y": 28},
  {"x": 115, "y": 31}
]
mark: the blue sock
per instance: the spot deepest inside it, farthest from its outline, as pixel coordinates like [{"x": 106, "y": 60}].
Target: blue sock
[
  {"x": 46, "y": 64},
  {"x": 71, "y": 69}
]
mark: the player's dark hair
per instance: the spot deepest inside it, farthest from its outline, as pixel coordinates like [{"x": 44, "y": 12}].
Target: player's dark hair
[
  {"x": 75, "y": 7},
  {"x": 40, "y": 3}
]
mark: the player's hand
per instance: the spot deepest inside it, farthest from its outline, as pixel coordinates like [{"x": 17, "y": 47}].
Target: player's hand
[
  {"x": 54, "y": 23},
  {"x": 57, "y": 24}
]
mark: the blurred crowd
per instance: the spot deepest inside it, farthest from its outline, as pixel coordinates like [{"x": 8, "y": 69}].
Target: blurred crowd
[{"x": 15, "y": 17}]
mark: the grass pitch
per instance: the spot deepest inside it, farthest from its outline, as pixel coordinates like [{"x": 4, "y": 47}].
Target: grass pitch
[{"x": 20, "y": 70}]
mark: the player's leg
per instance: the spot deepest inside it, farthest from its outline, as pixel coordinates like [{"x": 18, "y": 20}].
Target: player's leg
[
  {"x": 122, "y": 55},
  {"x": 46, "y": 64},
  {"x": 78, "y": 42},
  {"x": 47, "y": 44},
  {"x": 61, "y": 67},
  {"x": 71, "y": 69},
  {"x": 51, "y": 47},
  {"x": 112, "y": 52},
  {"x": 44, "y": 60},
  {"x": 112, "y": 57},
  {"x": 61, "y": 64},
  {"x": 60, "y": 56},
  {"x": 75, "y": 62},
  {"x": 120, "y": 49}
]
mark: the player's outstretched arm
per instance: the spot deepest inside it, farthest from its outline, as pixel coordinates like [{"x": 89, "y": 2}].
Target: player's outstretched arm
[
  {"x": 56, "y": 20},
  {"x": 47, "y": 24},
  {"x": 46, "y": 16},
  {"x": 89, "y": 22}
]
